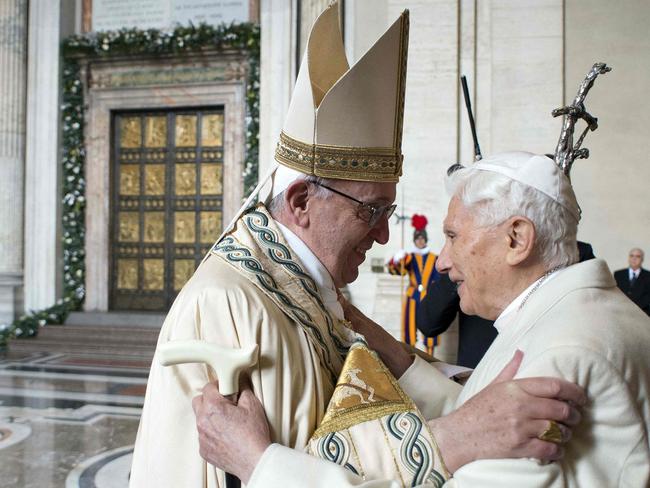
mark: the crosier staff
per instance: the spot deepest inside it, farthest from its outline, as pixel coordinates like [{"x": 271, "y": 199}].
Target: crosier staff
[
  {"x": 566, "y": 152},
  {"x": 468, "y": 105}
]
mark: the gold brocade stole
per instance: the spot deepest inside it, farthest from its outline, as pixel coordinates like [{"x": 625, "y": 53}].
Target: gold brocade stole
[{"x": 374, "y": 429}]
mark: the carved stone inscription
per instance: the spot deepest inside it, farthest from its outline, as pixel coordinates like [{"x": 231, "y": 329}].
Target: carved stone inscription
[{"x": 162, "y": 14}]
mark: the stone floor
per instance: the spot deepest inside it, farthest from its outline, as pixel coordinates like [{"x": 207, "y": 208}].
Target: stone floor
[{"x": 68, "y": 421}]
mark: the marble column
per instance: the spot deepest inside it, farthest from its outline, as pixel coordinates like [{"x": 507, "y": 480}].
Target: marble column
[
  {"x": 13, "y": 43},
  {"x": 467, "y": 51},
  {"x": 41, "y": 161},
  {"x": 277, "y": 70},
  {"x": 519, "y": 68}
]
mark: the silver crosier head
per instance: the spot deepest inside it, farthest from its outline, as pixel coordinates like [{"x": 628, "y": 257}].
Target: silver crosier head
[{"x": 566, "y": 151}]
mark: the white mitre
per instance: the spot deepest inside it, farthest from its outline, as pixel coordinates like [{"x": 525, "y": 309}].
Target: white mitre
[
  {"x": 343, "y": 122},
  {"x": 535, "y": 170}
]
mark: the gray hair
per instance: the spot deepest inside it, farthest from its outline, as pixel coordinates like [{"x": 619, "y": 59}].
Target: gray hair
[
  {"x": 494, "y": 198},
  {"x": 277, "y": 204},
  {"x": 640, "y": 251}
]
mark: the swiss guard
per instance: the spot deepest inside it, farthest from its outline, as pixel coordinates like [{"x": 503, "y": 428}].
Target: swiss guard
[{"x": 419, "y": 263}]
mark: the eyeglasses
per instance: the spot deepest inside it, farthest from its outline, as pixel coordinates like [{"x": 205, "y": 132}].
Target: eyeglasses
[{"x": 367, "y": 212}]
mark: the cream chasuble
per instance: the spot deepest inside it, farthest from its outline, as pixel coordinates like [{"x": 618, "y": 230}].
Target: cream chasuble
[{"x": 250, "y": 289}]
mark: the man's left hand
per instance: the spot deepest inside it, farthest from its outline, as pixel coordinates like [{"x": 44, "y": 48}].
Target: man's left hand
[
  {"x": 237, "y": 439},
  {"x": 506, "y": 419}
]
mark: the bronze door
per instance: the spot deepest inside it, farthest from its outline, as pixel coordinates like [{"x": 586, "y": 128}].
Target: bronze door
[{"x": 167, "y": 202}]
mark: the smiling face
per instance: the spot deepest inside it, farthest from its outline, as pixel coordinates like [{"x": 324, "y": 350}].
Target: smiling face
[
  {"x": 475, "y": 258},
  {"x": 337, "y": 236}
]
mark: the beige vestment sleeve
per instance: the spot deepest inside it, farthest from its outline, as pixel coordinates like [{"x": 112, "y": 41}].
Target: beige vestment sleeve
[
  {"x": 222, "y": 307},
  {"x": 281, "y": 467},
  {"x": 433, "y": 393},
  {"x": 611, "y": 422}
]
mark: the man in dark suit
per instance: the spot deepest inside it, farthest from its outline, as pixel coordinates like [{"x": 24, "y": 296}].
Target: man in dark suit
[{"x": 634, "y": 281}]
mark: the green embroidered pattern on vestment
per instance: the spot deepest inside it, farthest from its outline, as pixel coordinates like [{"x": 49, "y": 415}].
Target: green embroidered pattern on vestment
[
  {"x": 415, "y": 453},
  {"x": 258, "y": 223},
  {"x": 335, "y": 448},
  {"x": 241, "y": 257}
]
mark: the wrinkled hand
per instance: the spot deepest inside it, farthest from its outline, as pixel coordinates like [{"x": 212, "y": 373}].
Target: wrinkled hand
[
  {"x": 390, "y": 350},
  {"x": 505, "y": 419},
  {"x": 233, "y": 431}
]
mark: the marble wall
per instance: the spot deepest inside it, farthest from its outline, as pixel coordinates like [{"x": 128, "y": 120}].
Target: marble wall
[
  {"x": 612, "y": 185},
  {"x": 42, "y": 169}
]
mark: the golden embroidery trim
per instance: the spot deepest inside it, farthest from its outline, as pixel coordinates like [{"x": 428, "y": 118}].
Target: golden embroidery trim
[
  {"x": 364, "y": 412},
  {"x": 355, "y": 454},
  {"x": 340, "y": 162}
]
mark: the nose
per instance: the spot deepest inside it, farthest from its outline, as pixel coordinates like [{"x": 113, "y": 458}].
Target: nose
[
  {"x": 443, "y": 263},
  {"x": 381, "y": 232}
]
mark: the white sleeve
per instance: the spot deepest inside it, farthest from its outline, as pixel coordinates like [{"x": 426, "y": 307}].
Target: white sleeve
[
  {"x": 282, "y": 467},
  {"x": 608, "y": 448},
  {"x": 493, "y": 473},
  {"x": 433, "y": 393}
]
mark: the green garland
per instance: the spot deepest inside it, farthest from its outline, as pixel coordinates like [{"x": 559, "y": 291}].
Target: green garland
[{"x": 242, "y": 37}]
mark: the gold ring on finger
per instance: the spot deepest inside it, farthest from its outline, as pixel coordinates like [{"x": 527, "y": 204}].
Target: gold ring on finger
[{"x": 553, "y": 433}]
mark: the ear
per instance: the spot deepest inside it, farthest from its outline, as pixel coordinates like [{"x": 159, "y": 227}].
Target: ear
[
  {"x": 296, "y": 199},
  {"x": 521, "y": 240}
]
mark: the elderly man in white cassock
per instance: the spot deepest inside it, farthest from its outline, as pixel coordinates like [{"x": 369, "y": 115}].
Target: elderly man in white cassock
[
  {"x": 272, "y": 280},
  {"x": 511, "y": 247}
]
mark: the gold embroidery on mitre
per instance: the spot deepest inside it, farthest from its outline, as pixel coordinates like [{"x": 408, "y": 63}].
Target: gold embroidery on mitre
[
  {"x": 365, "y": 391},
  {"x": 375, "y": 164}
]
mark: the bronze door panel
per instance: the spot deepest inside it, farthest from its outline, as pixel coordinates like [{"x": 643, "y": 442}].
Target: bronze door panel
[{"x": 166, "y": 208}]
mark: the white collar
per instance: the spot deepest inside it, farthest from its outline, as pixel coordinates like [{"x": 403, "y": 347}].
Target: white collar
[
  {"x": 504, "y": 318},
  {"x": 315, "y": 269},
  {"x": 635, "y": 273},
  {"x": 423, "y": 251}
]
